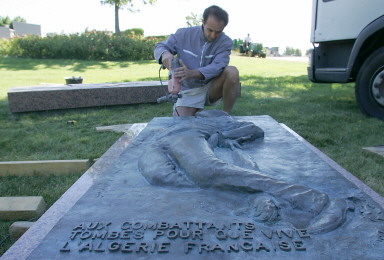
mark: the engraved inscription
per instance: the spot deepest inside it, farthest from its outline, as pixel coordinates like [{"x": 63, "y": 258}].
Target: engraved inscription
[{"x": 186, "y": 236}]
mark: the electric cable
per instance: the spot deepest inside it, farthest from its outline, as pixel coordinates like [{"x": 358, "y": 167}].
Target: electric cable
[{"x": 5, "y": 238}]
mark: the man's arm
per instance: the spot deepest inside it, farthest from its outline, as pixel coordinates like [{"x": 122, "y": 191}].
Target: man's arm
[{"x": 165, "y": 50}]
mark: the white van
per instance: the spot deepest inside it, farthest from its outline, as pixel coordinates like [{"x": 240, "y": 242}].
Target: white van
[{"x": 348, "y": 39}]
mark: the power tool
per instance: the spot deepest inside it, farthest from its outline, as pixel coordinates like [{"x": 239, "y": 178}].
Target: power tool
[{"x": 174, "y": 85}]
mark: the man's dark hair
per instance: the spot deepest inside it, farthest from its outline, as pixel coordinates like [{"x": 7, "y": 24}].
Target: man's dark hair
[{"x": 219, "y": 13}]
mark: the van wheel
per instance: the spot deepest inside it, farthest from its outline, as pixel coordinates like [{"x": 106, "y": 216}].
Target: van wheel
[{"x": 369, "y": 88}]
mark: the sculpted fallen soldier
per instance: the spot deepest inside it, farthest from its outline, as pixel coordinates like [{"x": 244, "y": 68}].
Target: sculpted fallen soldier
[{"x": 184, "y": 157}]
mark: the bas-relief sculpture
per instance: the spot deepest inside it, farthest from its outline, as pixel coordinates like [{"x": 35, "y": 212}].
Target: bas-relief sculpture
[
  {"x": 217, "y": 187},
  {"x": 188, "y": 156}
]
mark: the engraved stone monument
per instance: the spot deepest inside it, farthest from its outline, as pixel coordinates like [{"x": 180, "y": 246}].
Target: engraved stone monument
[{"x": 212, "y": 187}]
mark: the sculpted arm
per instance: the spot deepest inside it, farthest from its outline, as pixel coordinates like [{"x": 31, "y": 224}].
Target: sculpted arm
[{"x": 246, "y": 131}]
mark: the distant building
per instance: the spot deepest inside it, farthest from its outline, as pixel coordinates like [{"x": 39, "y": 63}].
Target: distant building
[
  {"x": 273, "y": 51},
  {"x": 6, "y": 32},
  {"x": 26, "y": 29},
  {"x": 20, "y": 29}
]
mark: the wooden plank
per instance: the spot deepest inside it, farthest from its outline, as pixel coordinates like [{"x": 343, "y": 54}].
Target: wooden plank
[
  {"x": 14, "y": 208},
  {"x": 18, "y": 228},
  {"x": 56, "y": 167}
]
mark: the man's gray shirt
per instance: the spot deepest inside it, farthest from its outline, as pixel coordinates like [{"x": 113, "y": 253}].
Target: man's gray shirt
[{"x": 210, "y": 58}]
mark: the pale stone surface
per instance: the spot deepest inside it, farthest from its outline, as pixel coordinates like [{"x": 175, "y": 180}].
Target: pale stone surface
[
  {"x": 56, "y": 167},
  {"x": 114, "y": 128},
  {"x": 376, "y": 149},
  {"x": 13, "y": 208},
  {"x": 131, "y": 129},
  {"x": 18, "y": 228}
]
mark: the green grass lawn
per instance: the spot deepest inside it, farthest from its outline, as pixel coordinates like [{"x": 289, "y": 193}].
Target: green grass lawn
[{"x": 326, "y": 115}]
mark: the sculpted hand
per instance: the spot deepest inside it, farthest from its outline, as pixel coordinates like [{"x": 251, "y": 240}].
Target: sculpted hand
[
  {"x": 218, "y": 140},
  {"x": 231, "y": 144}
]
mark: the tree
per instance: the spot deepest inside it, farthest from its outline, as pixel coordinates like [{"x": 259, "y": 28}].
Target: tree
[
  {"x": 5, "y": 21},
  {"x": 297, "y": 52},
  {"x": 194, "y": 19},
  {"x": 120, "y": 4},
  {"x": 134, "y": 32},
  {"x": 289, "y": 51}
]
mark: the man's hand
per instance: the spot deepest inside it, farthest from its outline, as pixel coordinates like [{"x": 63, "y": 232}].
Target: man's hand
[
  {"x": 166, "y": 59},
  {"x": 184, "y": 73}
]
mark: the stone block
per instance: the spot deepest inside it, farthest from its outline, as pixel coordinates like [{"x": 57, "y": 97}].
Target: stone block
[
  {"x": 50, "y": 97},
  {"x": 56, "y": 167},
  {"x": 379, "y": 150},
  {"x": 15, "y": 208},
  {"x": 123, "y": 213},
  {"x": 133, "y": 129},
  {"x": 18, "y": 228}
]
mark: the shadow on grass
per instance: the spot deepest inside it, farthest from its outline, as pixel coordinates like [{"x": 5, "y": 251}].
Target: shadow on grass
[
  {"x": 11, "y": 63},
  {"x": 296, "y": 94},
  {"x": 4, "y": 109}
]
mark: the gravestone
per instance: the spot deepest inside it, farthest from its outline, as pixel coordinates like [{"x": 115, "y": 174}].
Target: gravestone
[{"x": 214, "y": 188}]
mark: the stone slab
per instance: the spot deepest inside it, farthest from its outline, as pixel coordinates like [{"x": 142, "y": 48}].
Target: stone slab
[
  {"x": 349, "y": 176},
  {"x": 18, "y": 228},
  {"x": 116, "y": 199},
  {"x": 21, "y": 208},
  {"x": 114, "y": 128},
  {"x": 56, "y": 167},
  {"x": 130, "y": 129},
  {"x": 38, "y": 98},
  {"x": 379, "y": 150}
]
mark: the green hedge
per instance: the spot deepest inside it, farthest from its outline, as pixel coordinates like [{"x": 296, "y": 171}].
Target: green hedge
[{"x": 92, "y": 45}]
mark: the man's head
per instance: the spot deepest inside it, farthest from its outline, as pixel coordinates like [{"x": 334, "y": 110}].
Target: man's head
[{"x": 214, "y": 21}]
